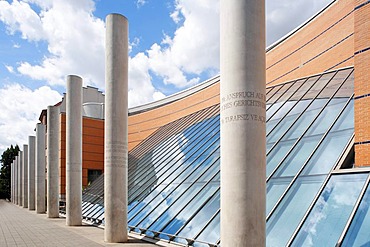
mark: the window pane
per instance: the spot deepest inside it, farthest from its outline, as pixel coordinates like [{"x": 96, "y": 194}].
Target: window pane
[
  {"x": 298, "y": 156},
  {"x": 199, "y": 220},
  {"x": 212, "y": 232},
  {"x": 275, "y": 188},
  {"x": 328, "y": 153},
  {"x": 326, "y": 221},
  {"x": 289, "y": 213},
  {"x": 277, "y": 154},
  {"x": 358, "y": 233}
]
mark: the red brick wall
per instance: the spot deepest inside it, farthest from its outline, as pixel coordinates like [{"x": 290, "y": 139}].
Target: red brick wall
[
  {"x": 92, "y": 148},
  {"x": 325, "y": 43},
  {"x": 362, "y": 82}
]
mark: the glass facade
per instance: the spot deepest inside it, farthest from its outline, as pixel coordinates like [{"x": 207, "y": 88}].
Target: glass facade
[{"x": 174, "y": 175}]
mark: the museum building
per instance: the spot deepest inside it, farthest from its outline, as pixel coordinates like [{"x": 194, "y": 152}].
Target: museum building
[{"x": 317, "y": 150}]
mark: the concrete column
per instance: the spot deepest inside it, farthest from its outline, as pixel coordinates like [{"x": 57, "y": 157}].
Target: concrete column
[
  {"x": 74, "y": 151},
  {"x": 53, "y": 161},
  {"x": 16, "y": 180},
  {"x": 243, "y": 127},
  {"x": 116, "y": 114},
  {"x": 12, "y": 182},
  {"x": 40, "y": 169},
  {"x": 25, "y": 176},
  {"x": 20, "y": 178},
  {"x": 31, "y": 172}
]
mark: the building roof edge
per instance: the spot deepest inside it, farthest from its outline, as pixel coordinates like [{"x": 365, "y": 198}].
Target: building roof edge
[{"x": 287, "y": 36}]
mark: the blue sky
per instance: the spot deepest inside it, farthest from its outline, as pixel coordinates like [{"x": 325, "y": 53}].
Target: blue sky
[{"x": 174, "y": 45}]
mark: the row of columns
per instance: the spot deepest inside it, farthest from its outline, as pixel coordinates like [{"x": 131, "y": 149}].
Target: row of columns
[
  {"x": 28, "y": 169},
  {"x": 28, "y": 173},
  {"x": 242, "y": 53}
]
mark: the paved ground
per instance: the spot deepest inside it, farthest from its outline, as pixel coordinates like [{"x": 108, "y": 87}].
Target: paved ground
[{"x": 21, "y": 227}]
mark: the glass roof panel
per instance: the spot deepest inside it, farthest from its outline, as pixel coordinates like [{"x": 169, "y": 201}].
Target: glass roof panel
[
  {"x": 326, "y": 221},
  {"x": 358, "y": 234},
  {"x": 174, "y": 174}
]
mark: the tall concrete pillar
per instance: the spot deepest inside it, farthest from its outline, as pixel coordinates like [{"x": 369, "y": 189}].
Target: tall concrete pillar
[
  {"x": 31, "y": 172},
  {"x": 16, "y": 180},
  {"x": 53, "y": 162},
  {"x": 40, "y": 169},
  {"x": 74, "y": 151},
  {"x": 243, "y": 127},
  {"x": 20, "y": 178},
  {"x": 12, "y": 182},
  {"x": 116, "y": 114},
  {"x": 25, "y": 176}
]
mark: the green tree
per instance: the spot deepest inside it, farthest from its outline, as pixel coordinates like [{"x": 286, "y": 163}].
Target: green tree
[{"x": 6, "y": 160}]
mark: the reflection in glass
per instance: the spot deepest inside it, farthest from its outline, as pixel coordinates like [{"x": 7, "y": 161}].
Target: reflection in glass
[
  {"x": 212, "y": 232},
  {"x": 286, "y": 123},
  {"x": 285, "y": 219},
  {"x": 174, "y": 176},
  {"x": 328, "y": 153},
  {"x": 197, "y": 223},
  {"x": 358, "y": 234},
  {"x": 277, "y": 154},
  {"x": 275, "y": 188},
  {"x": 326, "y": 221},
  {"x": 298, "y": 156}
]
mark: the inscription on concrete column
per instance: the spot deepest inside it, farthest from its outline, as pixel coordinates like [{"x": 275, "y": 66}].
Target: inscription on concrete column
[
  {"x": 116, "y": 154},
  {"x": 244, "y": 101}
]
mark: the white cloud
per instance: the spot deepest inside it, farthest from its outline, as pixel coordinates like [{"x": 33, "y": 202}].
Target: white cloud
[
  {"x": 20, "y": 110},
  {"x": 140, "y": 3},
  {"x": 134, "y": 43},
  {"x": 75, "y": 38},
  {"x": 285, "y": 15},
  {"x": 141, "y": 89},
  {"x": 19, "y": 16},
  {"x": 9, "y": 68},
  {"x": 75, "y": 41},
  {"x": 194, "y": 47}
]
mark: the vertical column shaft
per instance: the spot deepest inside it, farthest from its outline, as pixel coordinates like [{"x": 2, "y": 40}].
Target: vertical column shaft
[
  {"x": 20, "y": 178},
  {"x": 243, "y": 127},
  {"x": 74, "y": 151},
  {"x": 40, "y": 169},
  {"x": 53, "y": 162},
  {"x": 16, "y": 180},
  {"x": 12, "y": 182},
  {"x": 116, "y": 114},
  {"x": 25, "y": 176},
  {"x": 31, "y": 172}
]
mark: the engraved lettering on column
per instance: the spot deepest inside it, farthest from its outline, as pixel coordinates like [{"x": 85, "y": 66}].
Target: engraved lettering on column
[
  {"x": 119, "y": 151},
  {"x": 253, "y": 102}
]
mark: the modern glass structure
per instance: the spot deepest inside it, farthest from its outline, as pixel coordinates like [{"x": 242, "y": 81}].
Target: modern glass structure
[{"x": 314, "y": 195}]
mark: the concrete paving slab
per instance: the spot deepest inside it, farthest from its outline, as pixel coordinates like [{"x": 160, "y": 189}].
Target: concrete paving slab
[{"x": 20, "y": 227}]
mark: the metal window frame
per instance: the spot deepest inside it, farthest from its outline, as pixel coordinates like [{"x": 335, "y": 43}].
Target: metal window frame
[
  {"x": 166, "y": 164},
  {"x": 289, "y": 97},
  {"x": 181, "y": 183},
  {"x": 307, "y": 129},
  {"x": 289, "y": 86},
  {"x": 303, "y": 111},
  {"x": 295, "y": 104},
  {"x": 354, "y": 212},
  {"x": 313, "y": 203},
  {"x": 310, "y": 157},
  {"x": 167, "y": 145},
  {"x": 164, "y": 157}
]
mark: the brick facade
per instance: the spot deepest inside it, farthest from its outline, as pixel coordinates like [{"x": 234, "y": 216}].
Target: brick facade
[{"x": 362, "y": 81}]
